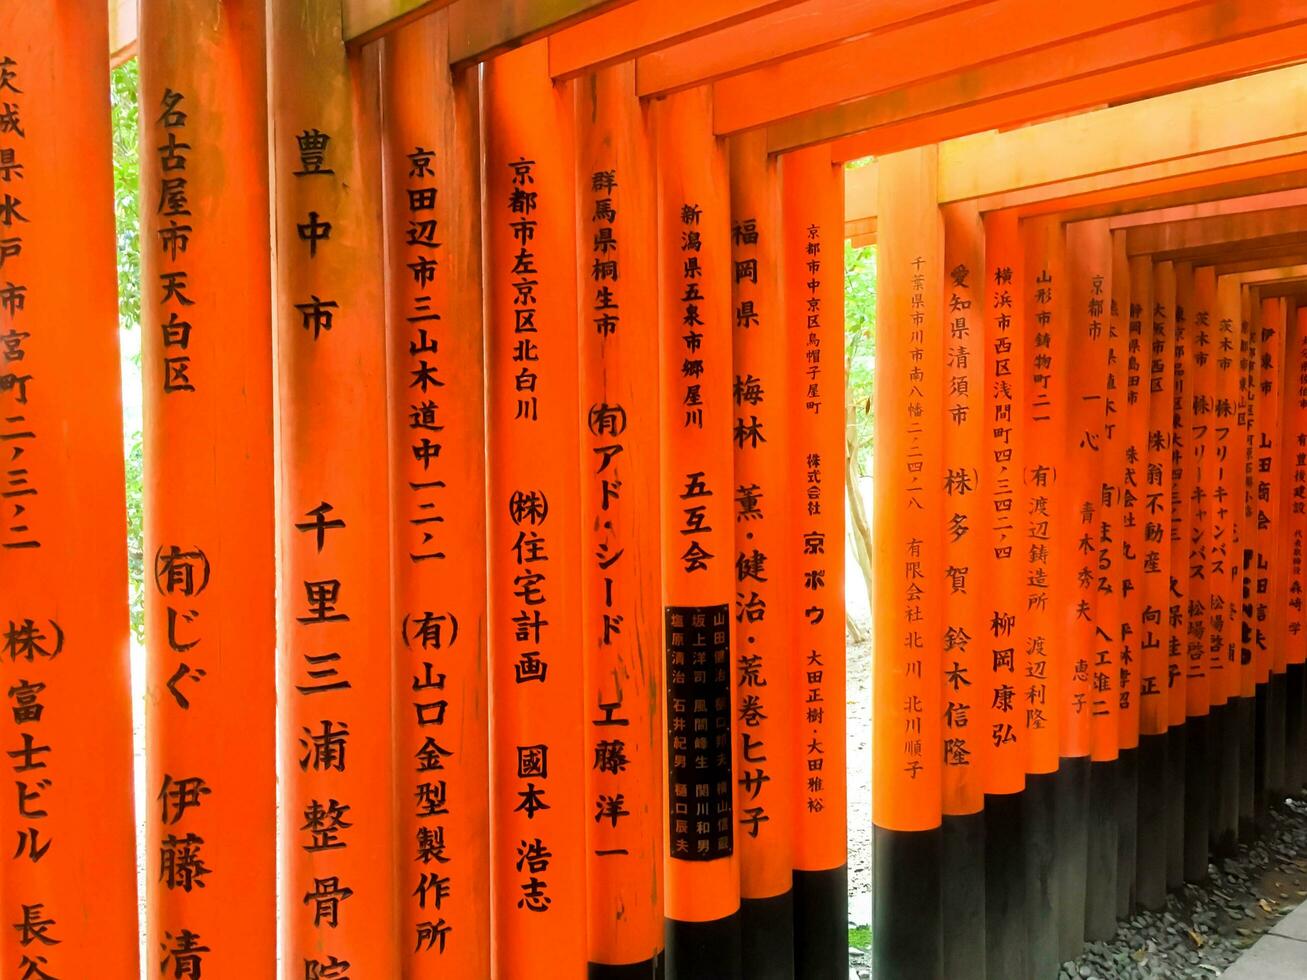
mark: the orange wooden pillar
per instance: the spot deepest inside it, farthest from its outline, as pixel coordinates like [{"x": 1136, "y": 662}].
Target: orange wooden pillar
[
  {"x": 1111, "y": 775},
  {"x": 1269, "y": 653},
  {"x": 767, "y": 488},
  {"x": 909, "y": 522},
  {"x": 1002, "y": 755},
  {"x": 68, "y": 881},
  {"x": 1225, "y": 553},
  {"x": 1195, "y": 297},
  {"x": 1044, "y": 536},
  {"x": 537, "y": 765},
  {"x": 1150, "y": 295},
  {"x": 1087, "y": 886},
  {"x": 1132, "y": 291},
  {"x": 813, "y": 273},
  {"x": 209, "y": 501},
  {"x": 338, "y": 886},
  {"x": 1181, "y": 735},
  {"x": 702, "y": 863},
  {"x": 430, "y": 158},
  {"x": 1294, "y": 511},
  {"x": 1248, "y": 760},
  {"x": 968, "y": 559},
  {"x": 617, "y": 282},
  {"x": 1166, "y": 437}
]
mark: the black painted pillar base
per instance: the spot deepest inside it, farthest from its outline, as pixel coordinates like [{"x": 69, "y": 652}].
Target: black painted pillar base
[
  {"x": 1276, "y": 705},
  {"x": 767, "y": 936},
  {"x": 1295, "y": 773},
  {"x": 1261, "y": 769},
  {"x": 1225, "y": 795},
  {"x": 1150, "y": 847},
  {"x": 1127, "y": 831},
  {"x": 704, "y": 950},
  {"x": 1246, "y": 714},
  {"x": 1005, "y": 888},
  {"x": 964, "y": 897},
  {"x": 1100, "y": 880},
  {"x": 907, "y": 931},
  {"x": 1197, "y": 796},
  {"x": 1176, "y": 751},
  {"x": 821, "y": 924},
  {"x": 1038, "y": 821},
  {"x": 654, "y": 969},
  {"x": 1071, "y": 853}
]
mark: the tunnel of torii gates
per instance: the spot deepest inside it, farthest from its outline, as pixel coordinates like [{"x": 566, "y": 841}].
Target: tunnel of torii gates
[{"x": 494, "y": 488}]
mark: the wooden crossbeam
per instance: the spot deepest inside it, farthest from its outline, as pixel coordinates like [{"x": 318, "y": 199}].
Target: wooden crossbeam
[
  {"x": 1259, "y": 108},
  {"x": 478, "y": 28},
  {"x": 1270, "y": 227},
  {"x": 1195, "y": 45},
  {"x": 1221, "y": 207},
  {"x": 804, "y": 28},
  {"x": 884, "y": 62},
  {"x": 645, "y": 26}
]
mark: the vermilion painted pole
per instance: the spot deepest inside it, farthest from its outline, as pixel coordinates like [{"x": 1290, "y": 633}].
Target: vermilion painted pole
[
  {"x": 1225, "y": 554},
  {"x": 1294, "y": 509},
  {"x": 539, "y": 812},
  {"x": 1132, "y": 290},
  {"x": 1043, "y": 534},
  {"x": 1153, "y": 475},
  {"x": 206, "y": 357},
  {"x": 1248, "y": 760},
  {"x": 617, "y": 277},
  {"x": 1178, "y": 734},
  {"x": 1188, "y": 600},
  {"x": 765, "y": 396},
  {"x": 909, "y": 528},
  {"x": 431, "y": 184},
  {"x": 968, "y": 557},
  {"x": 1269, "y": 656},
  {"x": 702, "y": 862},
  {"x": 1087, "y": 887},
  {"x": 813, "y": 273},
  {"x": 338, "y": 885},
  {"x": 68, "y": 881},
  {"x": 1111, "y": 774},
  {"x": 1002, "y": 727}
]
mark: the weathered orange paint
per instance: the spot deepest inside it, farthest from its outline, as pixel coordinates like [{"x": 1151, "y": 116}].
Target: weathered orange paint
[
  {"x": 209, "y": 497},
  {"x": 431, "y": 172},
  {"x": 908, "y": 514},
  {"x": 69, "y": 871},
  {"x": 1081, "y": 586},
  {"x": 1042, "y": 695},
  {"x": 697, "y": 475},
  {"x": 967, "y": 661},
  {"x": 1003, "y": 755},
  {"x": 813, "y": 273},
  {"x": 621, "y": 598},
  {"x": 339, "y": 904},
  {"x": 534, "y": 423},
  {"x": 766, "y": 400}
]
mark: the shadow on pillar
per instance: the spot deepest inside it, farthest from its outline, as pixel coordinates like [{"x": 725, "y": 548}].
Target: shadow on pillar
[
  {"x": 1071, "y": 853},
  {"x": 1102, "y": 852},
  {"x": 1276, "y": 705},
  {"x": 1294, "y": 763},
  {"x": 821, "y": 924},
  {"x": 1246, "y": 722},
  {"x": 704, "y": 950},
  {"x": 767, "y": 937},
  {"x": 1127, "y": 831},
  {"x": 1039, "y": 822},
  {"x": 1261, "y": 760},
  {"x": 654, "y": 969},
  {"x": 1005, "y": 888},
  {"x": 1176, "y": 751},
  {"x": 907, "y": 934},
  {"x": 1150, "y": 847},
  {"x": 1197, "y": 796},
  {"x": 964, "y": 897}
]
